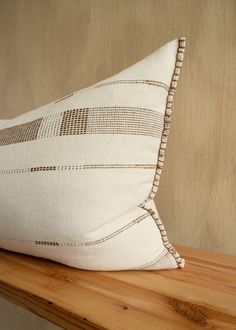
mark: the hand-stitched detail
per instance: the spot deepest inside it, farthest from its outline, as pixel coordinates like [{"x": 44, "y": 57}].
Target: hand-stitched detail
[
  {"x": 77, "y": 167},
  {"x": 50, "y": 126},
  {"x": 43, "y": 168},
  {"x": 97, "y": 120},
  {"x": 74, "y": 122},
  {"x": 52, "y": 243},
  {"x": 133, "y": 81},
  {"x": 160, "y": 260},
  {"x": 167, "y": 117},
  {"x": 160, "y": 159},
  {"x": 142, "y": 166},
  {"x": 137, "y": 220},
  {"x": 123, "y": 81},
  {"x": 180, "y": 261},
  {"x": 79, "y": 244},
  {"x": 20, "y": 133},
  {"x": 125, "y": 120}
]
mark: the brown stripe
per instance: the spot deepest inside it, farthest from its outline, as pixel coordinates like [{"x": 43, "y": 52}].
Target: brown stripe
[
  {"x": 74, "y": 122},
  {"x": 160, "y": 259},
  {"x": 79, "y": 244},
  {"x": 137, "y": 220},
  {"x": 76, "y": 167},
  {"x": 20, "y": 133},
  {"x": 43, "y": 168},
  {"x": 133, "y": 81},
  {"x": 97, "y": 120}
]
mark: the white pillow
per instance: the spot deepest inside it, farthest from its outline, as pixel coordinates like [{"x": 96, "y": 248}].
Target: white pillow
[{"x": 78, "y": 175}]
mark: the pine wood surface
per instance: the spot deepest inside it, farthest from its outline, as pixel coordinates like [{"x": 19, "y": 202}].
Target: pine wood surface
[{"x": 201, "y": 295}]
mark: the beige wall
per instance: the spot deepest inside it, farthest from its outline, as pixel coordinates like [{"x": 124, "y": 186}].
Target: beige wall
[
  {"x": 49, "y": 48},
  {"x": 13, "y": 317}
]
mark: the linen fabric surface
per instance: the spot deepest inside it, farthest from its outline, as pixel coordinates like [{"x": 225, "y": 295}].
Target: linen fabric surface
[{"x": 78, "y": 175}]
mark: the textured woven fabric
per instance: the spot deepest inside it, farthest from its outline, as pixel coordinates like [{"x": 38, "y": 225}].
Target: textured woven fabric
[{"x": 78, "y": 175}]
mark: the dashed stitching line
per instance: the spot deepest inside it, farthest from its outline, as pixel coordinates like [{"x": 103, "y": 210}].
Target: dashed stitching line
[
  {"x": 91, "y": 120},
  {"x": 137, "y": 220},
  {"x": 76, "y": 168},
  {"x": 80, "y": 244},
  {"x": 133, "y": 81},
  {"x": 120, "y": 81},
  {"x": 158, "y": 259}
]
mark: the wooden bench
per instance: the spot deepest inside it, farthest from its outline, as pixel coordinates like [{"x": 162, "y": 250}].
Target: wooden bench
[{"x": 202, "y": 295}]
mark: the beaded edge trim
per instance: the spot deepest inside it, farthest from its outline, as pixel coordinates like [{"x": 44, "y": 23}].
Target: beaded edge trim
[
  {"x": 154, "y": 214},
  {"x": 167, "y": 116},
  {"x": 161, "y": 153}
]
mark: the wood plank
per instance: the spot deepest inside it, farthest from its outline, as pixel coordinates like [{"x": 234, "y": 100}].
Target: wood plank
[{"x": 200, "y": 295}]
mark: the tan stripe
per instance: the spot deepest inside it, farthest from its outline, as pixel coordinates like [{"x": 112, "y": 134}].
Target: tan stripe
[
  {"x": 133, "y": 81},
  {"x": 78, "y": 244},
  {"x": 158, "y": 259},
  {"x": 43, "y": 168},
  {"x": 96, "y": 120},
  {"x": 137, "y": 220},
  {"x": 76, "y": 167},
  {"x": 20, "y": 133}
]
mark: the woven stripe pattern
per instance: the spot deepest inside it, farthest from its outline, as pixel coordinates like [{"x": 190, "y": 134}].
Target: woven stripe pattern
[{"x": 78, "y": 176}]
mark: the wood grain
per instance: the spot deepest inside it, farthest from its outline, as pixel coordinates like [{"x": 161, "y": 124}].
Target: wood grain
[
  {"x": 50, "y": 48},
  {"x": 201, "y": 295}
]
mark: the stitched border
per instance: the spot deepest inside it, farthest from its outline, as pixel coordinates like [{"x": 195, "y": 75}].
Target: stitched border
[
  {"x": 167, "y": 116},
  {"x": 179, "y": 260},
  {"x": 161, "y": 153}
]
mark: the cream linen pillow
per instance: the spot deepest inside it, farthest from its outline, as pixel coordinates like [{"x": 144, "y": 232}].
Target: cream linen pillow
[{"x": 78, "y": 175}]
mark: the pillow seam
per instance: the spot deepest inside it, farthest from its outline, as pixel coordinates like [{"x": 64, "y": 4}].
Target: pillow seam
[
  {"x": 168, "y": 246},
  {"x": 160, "y": 156},
  {"x": 167, "y": 117}
]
